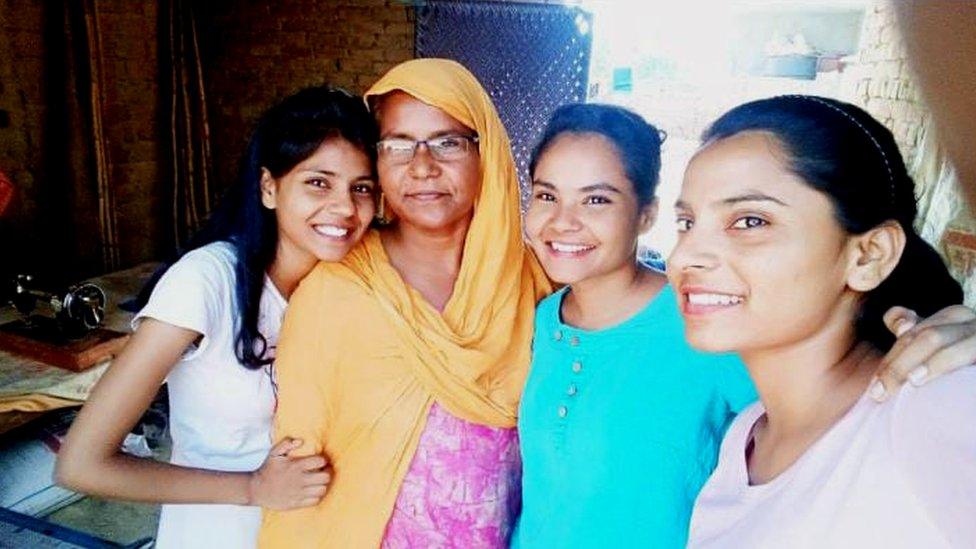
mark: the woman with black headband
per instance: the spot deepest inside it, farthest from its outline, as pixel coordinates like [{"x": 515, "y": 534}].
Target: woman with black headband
[{"x": 798, "y": 210}]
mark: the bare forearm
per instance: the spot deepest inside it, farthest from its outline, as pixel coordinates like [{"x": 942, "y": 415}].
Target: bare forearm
[
  {"x": 89, "y": 460},
  {"x": 129, "y": 478}
]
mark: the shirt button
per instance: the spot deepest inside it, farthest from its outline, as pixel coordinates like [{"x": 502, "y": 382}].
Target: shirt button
[
  {"x": 563, "y": 411},
  {"x": 572, "y": 390},
  {"x": 574, "y": 341},
  {"x": 557, "y": 335},
  {"x": 577, "y": 367}
]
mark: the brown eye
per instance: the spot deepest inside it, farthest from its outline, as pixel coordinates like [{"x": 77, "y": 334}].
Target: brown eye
[
  {"x": 749, "y": 222},
  {"x": 363, "y": 188},
  {"x": 447, "y": 144},
  {"x": 684, "y": 224}
]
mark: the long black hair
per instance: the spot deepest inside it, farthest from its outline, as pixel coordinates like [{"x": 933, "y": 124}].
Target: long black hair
[
  {"x": 286, "y": 134},
  {"x": 841, "y": 151},
  {"x": 637, "y": 143}
]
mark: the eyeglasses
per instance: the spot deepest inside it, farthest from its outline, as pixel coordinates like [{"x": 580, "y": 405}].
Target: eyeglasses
[{"x": 445, "y": 148}]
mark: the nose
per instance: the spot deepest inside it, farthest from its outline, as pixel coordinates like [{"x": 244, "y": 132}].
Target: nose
[
  {"x": 693, "y": 252},
  {"x": 342, "y": 204},
  {"x": 423, "y": 164},
  {"x": 565, "y": 218}
]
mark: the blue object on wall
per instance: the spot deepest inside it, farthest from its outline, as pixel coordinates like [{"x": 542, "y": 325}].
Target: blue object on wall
[
  {"x": 803, "y": 67},
  {"x": 623, "y": 79}
]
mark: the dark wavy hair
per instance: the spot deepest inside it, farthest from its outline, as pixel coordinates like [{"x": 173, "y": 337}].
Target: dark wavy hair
[
  {"x": 637, "y": 142},
  {"x": 841, "y": 151},
  {"x": 286, "y": 134}
]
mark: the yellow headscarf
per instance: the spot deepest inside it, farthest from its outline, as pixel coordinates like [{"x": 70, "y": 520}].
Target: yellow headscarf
[{"x": 362, "y": 356}]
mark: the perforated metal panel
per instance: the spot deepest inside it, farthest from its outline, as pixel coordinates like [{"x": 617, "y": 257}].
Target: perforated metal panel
[{"x": 531, "y": 58}]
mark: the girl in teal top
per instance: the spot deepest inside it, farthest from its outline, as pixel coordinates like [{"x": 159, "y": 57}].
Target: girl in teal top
[
  {"x": 620, "y": 428},
  {"x": 621, "y": 420}
]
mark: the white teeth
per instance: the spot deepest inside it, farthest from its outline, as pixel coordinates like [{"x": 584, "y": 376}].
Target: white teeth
[
  {"x": 331, "y": 230},
  {"x": 569, "y": 248},
  {"x": 714, "y": 299}
]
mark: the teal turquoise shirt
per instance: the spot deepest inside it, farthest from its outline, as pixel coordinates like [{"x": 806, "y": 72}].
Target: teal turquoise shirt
[{"x": 620, "y": 428}]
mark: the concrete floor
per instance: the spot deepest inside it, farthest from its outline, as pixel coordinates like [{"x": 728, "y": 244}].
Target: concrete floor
[{"x": 116, "y": 521}]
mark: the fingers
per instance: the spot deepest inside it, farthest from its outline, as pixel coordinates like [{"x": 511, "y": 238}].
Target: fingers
[
  {"x": 318, "y": 478},
  {"x": 311, "y": 463},
  {"x": 920, "y": 344},
  {"x": 286, "y": 482},
  {"x": 308, "y": 502},
  {"x": 958, "y": 355},
  {"x": 317, "y": 491},
  {"x": 284, "y": 446},
  {"x": 945, "y": 335},
  {"x": 905, "y": 324},
  {"x": 899, "y": 320}
]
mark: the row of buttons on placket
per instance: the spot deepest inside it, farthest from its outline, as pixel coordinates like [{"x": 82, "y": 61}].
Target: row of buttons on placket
[{"x": 577, "y": 367}]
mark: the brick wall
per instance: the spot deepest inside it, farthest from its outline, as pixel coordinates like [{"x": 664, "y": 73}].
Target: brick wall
[
  {"x": 52, "y": 227},
  {"x": 255, "y": 53},
  {"x": 261, "y": 52},
  {"x": 22, "y": 101},
  {"x": 133, "y": 125},
  {"x": 883, "y": 80}
]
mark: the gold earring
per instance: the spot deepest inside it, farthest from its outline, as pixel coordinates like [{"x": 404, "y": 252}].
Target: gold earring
[{"x": 380, "y": 216}]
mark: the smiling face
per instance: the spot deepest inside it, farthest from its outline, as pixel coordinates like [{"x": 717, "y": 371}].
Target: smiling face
[
  {"x": 324, "y": 204},
  {"x": 432, "y": 194},
  {"x": 584, "y": 217},
  {"x": 761, "y": 260}
]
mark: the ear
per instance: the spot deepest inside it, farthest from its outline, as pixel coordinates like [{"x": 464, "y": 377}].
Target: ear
[
  {"x": 875, "y": 255},
  {"x": 269, "y": 190},
  {"x": 647, "y": 216}
]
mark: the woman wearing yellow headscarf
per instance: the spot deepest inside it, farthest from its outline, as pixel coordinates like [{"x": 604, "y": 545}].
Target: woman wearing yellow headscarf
[{"x": 404, "y": 364}]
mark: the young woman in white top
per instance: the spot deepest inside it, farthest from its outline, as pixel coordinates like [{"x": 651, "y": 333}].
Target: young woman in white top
[
  {"x": 795, "y": 222},
  {"x": 306, "y": 194}
]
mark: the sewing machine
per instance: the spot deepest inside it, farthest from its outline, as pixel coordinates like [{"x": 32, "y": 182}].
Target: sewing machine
[{"x": 59, "y": 327}]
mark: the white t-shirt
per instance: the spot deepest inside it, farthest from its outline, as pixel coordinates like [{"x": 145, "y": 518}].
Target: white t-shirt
[
  {"x": 897, "y": 474},
  {"x": 220, "y": 411}
]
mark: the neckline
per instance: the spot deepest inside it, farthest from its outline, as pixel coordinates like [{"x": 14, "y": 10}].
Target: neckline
[
  {"x": 384, "y": 261},
  {"x": 643, "y": 313},
  {"x": 275, "y": 292},
  {"x": 750, "y": 421}
]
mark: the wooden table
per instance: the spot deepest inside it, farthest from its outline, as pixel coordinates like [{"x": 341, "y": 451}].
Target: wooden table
[{"x": 21, "y": 377}]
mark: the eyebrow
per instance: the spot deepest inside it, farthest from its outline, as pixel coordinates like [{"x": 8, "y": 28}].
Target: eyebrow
[
  {"x": 586, "y": 189},
  {"x": 435, "y": 135},
  {"x": 601, "y": 187},
  {"x": 330, "y": 173},
  {"x": 752, "y": 197},
  {"x": 320, "y": 171},
  {"x": 748, "y": 197}
]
